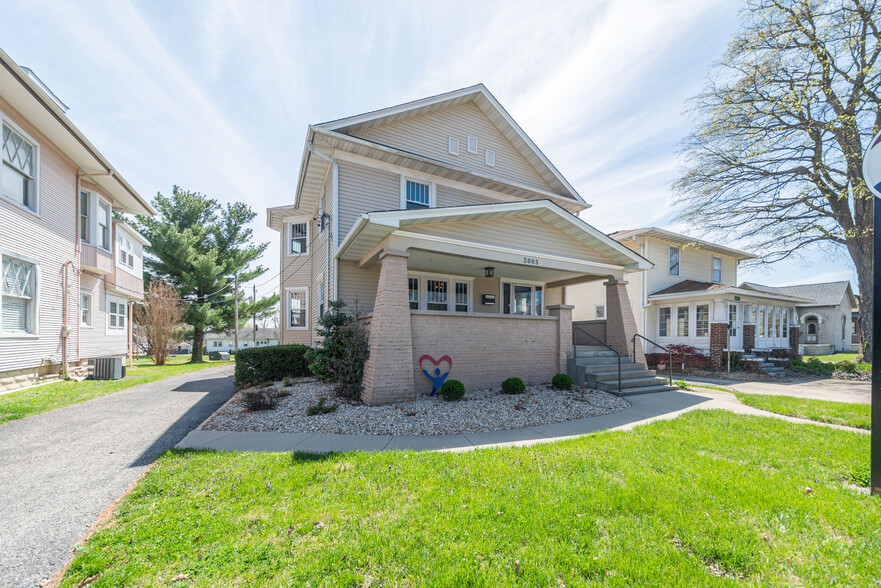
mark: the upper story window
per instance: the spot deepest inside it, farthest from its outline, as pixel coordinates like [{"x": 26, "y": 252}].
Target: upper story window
[
  {"x": 490, "y": 158},
  {"x": 674, "y": 261},
  {"x": 417, "y": 195},
  {"x": 85, "y": 216},
  {"x": 299, "y": 242},
  {"x": 126, "y": 248},
  {"x": 717, "y": 269},
  {"x": 297, "y": 308},
  {"x": 104, "y": 224},
  {"x": 86, "y": 309},
  {"x": 18, "y": 300},
  {"x": 19, "y": 169},
  {"x": 453, "y": 145},
  {"x": 472, "y": 144}
]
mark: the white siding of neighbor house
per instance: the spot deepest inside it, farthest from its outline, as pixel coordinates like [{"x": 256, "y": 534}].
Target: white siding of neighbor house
[
  {"x": 694, "y": 264},
  {"x": 428, "y": 135},
  {"x": 49, "y": 238},
  {"x": 100, "y": 340}
]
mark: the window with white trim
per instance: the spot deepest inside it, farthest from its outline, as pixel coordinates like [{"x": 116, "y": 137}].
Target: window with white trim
[
  {"x": 682, "y": 313},
  {"x": 472, "y": 144},
  {"x": 732, "y": 319},
  {"x": 462, "y": 299},
  {"x": 674, "y": 261},
  {"x": 490, "y": 158},
  {"x": 453, "y": 146},
  {"x": 125, "y": 247},
  {"x": 18, "y": 296},
  {"x": 664, "y": 321},
  {"x": 439, "y": 293},
  {"x": 86, "y": 309},
  {"x": 297, "y": 308},
  {"x": 299, "y": 238},
  {"x": 599, "y": 312},
  {"x": 19, "y": 168},
  {"x": 117, "y": 310},
  {"x": 417, "y": 195},
  {"x": 717, "y": 269},
  {"x": 702, "y": 320},
  {"x": 104, "y": 224},
  {"x": 525, "y": 299},
  {"x": 85, "y": 216},
  {"x": 413, "y": 292},
  {"x": 320, "y": 299}
]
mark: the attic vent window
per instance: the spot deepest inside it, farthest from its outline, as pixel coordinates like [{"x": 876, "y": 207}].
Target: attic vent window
[
  {"x": 490, "y": 158},
  {"x": 472, "y": 144},
  {"x": 453, "y": 146}
]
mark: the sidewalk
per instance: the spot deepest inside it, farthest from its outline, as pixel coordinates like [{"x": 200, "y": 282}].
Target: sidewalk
[
  {"x": 815, "y": 388},
  {"x": 645, "y": 409}
]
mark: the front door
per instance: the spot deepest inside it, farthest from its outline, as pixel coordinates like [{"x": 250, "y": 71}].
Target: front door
[{"x": 735, "y": 326}]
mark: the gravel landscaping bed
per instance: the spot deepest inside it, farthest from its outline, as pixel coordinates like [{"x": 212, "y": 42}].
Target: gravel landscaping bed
[{"x": 479, "y": 411}]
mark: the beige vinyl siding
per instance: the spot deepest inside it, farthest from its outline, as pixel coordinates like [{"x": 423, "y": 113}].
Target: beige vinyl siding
[
  {"x": 363, "y": 189},
  {"x": 296, "y": 272},
  {"x": 321, "y": 271},
  {"x": 553, "y": 296},
  {"x": 487, "y": 286},
  {"x": 517, "y": 233},
  {"x": 358, "y": 286},
  {"x": 694, "y": 264},
  {"x": 50, "y": 238},
  {"x": 428, "y": 135},
  {"x": 448, "y": 196}
]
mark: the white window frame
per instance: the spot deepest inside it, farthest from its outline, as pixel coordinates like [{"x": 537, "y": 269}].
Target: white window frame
[
  {"x": 599, "y": 312},
  {"x": 670, "y": 323},
  {"x": 471, "y": 140},
  {"x": 713, "y": 270},
  {"x": 124, "y": 244},
  {"x": 34, "y": 318},
  {"x": 697, "y": 334},
  {"x": 432, "y": 191},
  {"x": 544, "y": 292},
  {"x": 289, "y": 227},
  {"x": 687, "y": 308},
  {"x": 85, "y": 237},
  {"x": 451, "y": 280},
  {"x": 670, "y": 251},
  {"x": 489, "y": 158},
  {"x": 117, "y": 300},
  {"x": 90, "y": 323},
  {"x": 36, "y": 176},
  {"x": 288, "y": 299},
  {"x": 97, "y": 225},
  {"x": 322, "y": 307},
  {"x": 453, "y": 145}
]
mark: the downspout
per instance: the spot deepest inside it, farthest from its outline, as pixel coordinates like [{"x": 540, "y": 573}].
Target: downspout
[
  {"x": 65, "y": 329},
  {"x": 336, "y": 199},
  {"x": 644, "y": 287}
]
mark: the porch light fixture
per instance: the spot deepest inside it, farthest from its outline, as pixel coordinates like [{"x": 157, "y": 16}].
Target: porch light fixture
[{"x": 489, "y": 271}]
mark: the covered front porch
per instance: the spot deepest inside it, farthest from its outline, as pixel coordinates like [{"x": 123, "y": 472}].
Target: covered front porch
[{"x": 482, "y": 286}]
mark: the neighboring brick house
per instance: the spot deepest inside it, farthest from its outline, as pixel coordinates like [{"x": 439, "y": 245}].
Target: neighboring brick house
[
  {"x": 226, "y": 341},
  {"x": 453, "y": 234},
  {"x": 68, "y": 269},
  {"x": 691, "y": 297}
]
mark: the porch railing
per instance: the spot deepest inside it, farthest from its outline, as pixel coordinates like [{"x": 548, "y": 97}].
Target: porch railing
[
  {"x": 669, "y": 353},
  {"x": 609, "y": 347}
]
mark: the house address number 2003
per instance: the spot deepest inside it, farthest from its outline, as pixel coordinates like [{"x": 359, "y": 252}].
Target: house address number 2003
[{"x": 530, "y": 261}]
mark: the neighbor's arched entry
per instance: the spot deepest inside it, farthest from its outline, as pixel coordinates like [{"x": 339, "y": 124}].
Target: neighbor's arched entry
[{"x": 812, "y": 329}]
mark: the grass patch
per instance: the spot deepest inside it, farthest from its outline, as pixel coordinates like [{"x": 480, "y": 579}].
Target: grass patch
[
  {"x": 837, "y": 357},
  {"x": 698, "y": 500},
  {"x": 25, "y": 403},
  {"x": 824, "y": 411}
]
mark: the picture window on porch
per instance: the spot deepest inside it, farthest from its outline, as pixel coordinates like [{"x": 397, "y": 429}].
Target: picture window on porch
[
  {"x": 664, "y": 315},
  {"x": 413, "y": 290},
  {"x": 702, "y": 320},
  {"x": 461, "y": 297},
  {"x": 522, "y": 299},
  {"x": 682, "y": 321},
  {"x": 417, "y": 195},
  {"x": 761, "y": 322},
  {"x": 717, "y": 269},
  {"x": 437, "y": 292},
  {"x": 674, "y": 261}
]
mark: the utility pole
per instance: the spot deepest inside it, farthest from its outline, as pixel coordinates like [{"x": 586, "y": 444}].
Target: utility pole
[
  {"x": 254, "y": 316},
  {"x": 236, "y": 326}
]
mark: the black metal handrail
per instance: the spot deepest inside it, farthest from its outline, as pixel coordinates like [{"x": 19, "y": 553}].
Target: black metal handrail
[
  {"x": 669, "y": 353},
  {"x": 609, "y": 347}
]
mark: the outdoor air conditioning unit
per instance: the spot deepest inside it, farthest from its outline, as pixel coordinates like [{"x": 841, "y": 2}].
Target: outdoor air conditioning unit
[{"x": 107, "y": 368}]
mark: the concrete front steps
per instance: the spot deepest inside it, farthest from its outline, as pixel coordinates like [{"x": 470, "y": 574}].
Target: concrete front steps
[
  {"x": 600, "y": 368},
  {"x": 771, "y": 365}
]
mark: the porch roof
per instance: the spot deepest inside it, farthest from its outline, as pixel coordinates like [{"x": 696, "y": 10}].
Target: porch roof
[
  {"x": 694, "y": 288},
  {"x": 371, "y": 229}
]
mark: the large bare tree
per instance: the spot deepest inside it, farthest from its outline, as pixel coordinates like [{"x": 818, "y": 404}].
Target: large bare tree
[
  {"x": 781, "y": 127},
  {"x": 160, "y": 319}
]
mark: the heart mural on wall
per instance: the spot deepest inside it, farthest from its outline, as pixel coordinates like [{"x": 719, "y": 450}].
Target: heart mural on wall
[{"x": 436, "y": 370}]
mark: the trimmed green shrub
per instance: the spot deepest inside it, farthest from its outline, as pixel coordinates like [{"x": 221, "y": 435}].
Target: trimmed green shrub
[
  {"x": 260, "y": 398},
  {"x": 341, "y": 355},
  {"x": 811, "y": 366},
  {"x": 274, "y": 363},
  {"x": 513, "y": 386},
  {"x": 562, "y": 381},
  {"x": 846, "y": 366},
  {"x": 452, "y": 390}
]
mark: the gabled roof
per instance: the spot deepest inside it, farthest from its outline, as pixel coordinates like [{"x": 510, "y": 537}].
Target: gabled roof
[
  {"x": 680, "y": 239},
  {"x": 692, "y": 287},
  {"x": 824, "y": 294},
  {"x": 491, "y": 108},
  {"x": 44, "y": 113}
]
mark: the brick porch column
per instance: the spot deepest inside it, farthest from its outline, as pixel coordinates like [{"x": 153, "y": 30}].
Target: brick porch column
[
  {"x": 388, "y": 372},
  {"x": 563, "y": 312},
  {"x": 749, "y": 337},
  {"x": 793, "y": 341},
  {"x": 718, "y": 343},
  {"x": 620, "y": 322}
]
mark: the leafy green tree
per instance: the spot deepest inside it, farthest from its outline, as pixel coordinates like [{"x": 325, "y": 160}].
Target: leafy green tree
[
  {"x": 782, "y": 125},
  {"x": 199, "y": 246}
]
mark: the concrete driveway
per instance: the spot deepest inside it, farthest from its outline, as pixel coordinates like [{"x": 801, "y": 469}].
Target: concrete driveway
[
  {"x": 815, "y": 388},
  {"x": 61, "y": 469}
]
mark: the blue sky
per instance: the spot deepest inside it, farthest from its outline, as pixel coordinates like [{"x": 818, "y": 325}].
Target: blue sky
[{"x": 215, "y": 96}]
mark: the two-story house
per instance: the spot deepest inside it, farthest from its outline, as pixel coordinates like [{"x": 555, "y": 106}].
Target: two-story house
[
  {"x": 68, "y": 268},
  {"x": 691, "y": 297},
  {"x": 454, "y": 236}
]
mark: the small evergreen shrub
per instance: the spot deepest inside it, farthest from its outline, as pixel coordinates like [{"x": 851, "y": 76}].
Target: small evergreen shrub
[
  {"x": 849, "y": 367},
  {"x": 513, "y": 386},
  {"x": 811, "y": 366},
  {"x": 259, "y": 364},
  {"x": 562, "y": 381},
  {"x": 341, "y": 355},
  {"x": 260, "y": 398},
  {"x": 452, "y": 390},
  {"x": 321, "y": 407}
]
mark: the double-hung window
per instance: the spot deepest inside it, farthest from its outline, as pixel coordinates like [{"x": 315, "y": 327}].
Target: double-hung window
[
  {"x": 125, "y": 246},
  {"x": 86, "y": 309},
  {"x": 437, "y": 294},
  {"x": 299, "y": 233},
  {"x": 664, "y": 322},
  {"x": 461, "y": 297},
  {"x": 417, "y": 195},
  {"x": 297, "y": 308},
  {"x": 702, "y": 320},
  {"x": 104, "y": 225},
  {"x": 717, "y": 269},
  {"x": 413, "y": 292},
  {"x": 85, "y": 216},
  {"x": 674, "y": 261},
  {"x": 682, "y": 313},
  {"x": 116, "y": 313},
  {"x": 19, "y": 168},
  {"x": 18, "y": 296}
]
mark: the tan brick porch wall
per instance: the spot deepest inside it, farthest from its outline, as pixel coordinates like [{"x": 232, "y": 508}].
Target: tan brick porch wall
[{"x": 486, "y": 349}]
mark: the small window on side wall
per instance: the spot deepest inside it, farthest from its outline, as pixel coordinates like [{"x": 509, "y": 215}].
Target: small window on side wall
[
  {"x": 18, "y": 170},
  {"x": 297, "y": 309},
  {"x": 490, "y": 158},
  {"x": 472, "y": 144},
  {"x": 299, "y": 235},
  {"x": 674, "y": 261},
  {"x": 417, "y": 195},
  {"x": 717, "y": 269},
  {"x": 664, "y": 322},
  {"x": 453, "y": 146},
  {"x": 599, "y": 312}
]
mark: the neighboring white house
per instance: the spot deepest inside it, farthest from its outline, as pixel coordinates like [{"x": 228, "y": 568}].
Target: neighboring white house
[
  {"x": 226, "y": 341},
  {"x": 691, "y": 289},
  {"x": 68, "y": 269},
  {"x": 826, "y": 320}
]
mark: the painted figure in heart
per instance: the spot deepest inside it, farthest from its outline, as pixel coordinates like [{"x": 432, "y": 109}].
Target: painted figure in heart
[{"x": 437, "y": 379}]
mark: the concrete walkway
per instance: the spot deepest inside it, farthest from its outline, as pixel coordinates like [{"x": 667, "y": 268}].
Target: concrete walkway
[
  {"x": 645, "y": 409},
  {"x": 61, "y": 469},
  {"x": 808, "y": 387}
]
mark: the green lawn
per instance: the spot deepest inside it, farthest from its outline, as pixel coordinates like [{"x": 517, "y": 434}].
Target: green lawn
[
  {"x": 25, "y": 403},
  {"x": 709, "y": 498},
  {"x": 835, "y": 358},
  {"x": 825, "y": 411}
]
